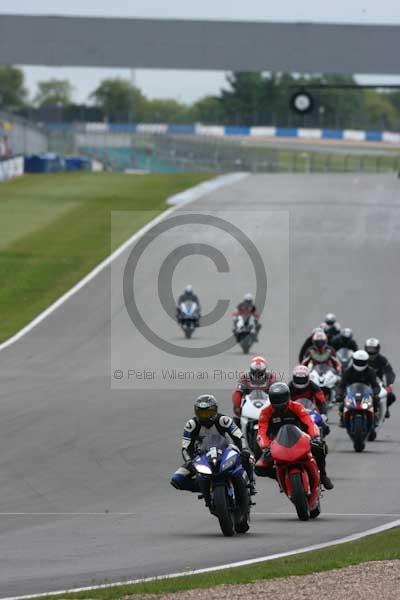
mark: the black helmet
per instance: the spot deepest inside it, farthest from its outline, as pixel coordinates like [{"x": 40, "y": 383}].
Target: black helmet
[
  {"x": 372, "y": 346},
  {"x": 347, "y": 333},
  {"x": 279, "y": 396},
  {"x": 206, "y": 409},
  {"x": 330, "y": 319}
]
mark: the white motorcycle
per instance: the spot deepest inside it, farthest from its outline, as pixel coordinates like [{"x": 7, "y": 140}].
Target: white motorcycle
[
  {"x": 252, "y": 405},
  {"x": 245, "y": 332},
  {"x": 189, "y": 316},
  {"x": 326, "y": 378}
]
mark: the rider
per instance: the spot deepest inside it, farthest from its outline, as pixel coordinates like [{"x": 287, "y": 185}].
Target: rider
[
  {"x": 358, "y": 372},
  {"x": 207, "y": 418},
  {"x": 383, "y": 368},
  {"x": 345, "y": 339},
  {"x": 259, "y": 377},
  {"x": 308, "y": 343},
  {"x": 321, "y": 352},
  {"x": 247, "y": 307},
  {"x": 283, "y": 411},
  {"x": 301, "y": 386},
  {"x": 331, "y": 326},
  {"x": 187, "y": 295}
]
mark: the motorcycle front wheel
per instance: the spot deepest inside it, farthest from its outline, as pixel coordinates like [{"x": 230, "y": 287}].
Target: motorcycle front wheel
[
  {"x": 222, "y": 512},
  {"x": 299, "y": 497},
  {"x": 358, "y": 435}
]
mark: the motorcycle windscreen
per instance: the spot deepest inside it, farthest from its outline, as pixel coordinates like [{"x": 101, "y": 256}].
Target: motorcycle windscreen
[
  {"x": 359, "y": 391},
  {"x": 288, "y": 436},
  {"x": 307, "y": 403},
  {"x": 344, "y": 354},
  {"x": 290, "y": 444},
  {"x": 213, "y": 440}
]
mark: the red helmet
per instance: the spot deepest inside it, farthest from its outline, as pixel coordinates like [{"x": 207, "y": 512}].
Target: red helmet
[
  {"x": 301, "y": 377},
  {"x": 258, "y": 370},
  {"x": 320, "y": 341}
]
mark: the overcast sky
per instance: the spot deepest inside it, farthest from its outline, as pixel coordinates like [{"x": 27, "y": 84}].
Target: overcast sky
[{"x": 188, "y": 86}]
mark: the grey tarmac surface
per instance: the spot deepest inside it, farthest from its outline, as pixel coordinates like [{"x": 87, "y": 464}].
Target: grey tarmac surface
[{"x": 85, "y": 464}]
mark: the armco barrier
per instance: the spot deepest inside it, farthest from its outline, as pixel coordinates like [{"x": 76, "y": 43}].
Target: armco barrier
[{"x": 389, "y": 137}]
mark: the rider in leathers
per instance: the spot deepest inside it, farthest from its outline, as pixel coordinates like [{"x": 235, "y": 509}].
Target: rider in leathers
[
  {"x": 245, "y": 308},
  {"x": 187, "y": 295},
  {"x": 320, "y": 352},
  {"x": 259, "y": 377},
  {"x": 301, "y": 386},
  {"x": 283, "y": 411},
  {"x": 345, "y": 340},
  {"x": 208, "y": 419},
  {"x": 358, "y": 372},
  {"x": 383, "y": 368},
  {"x": 331, "y": 326}
]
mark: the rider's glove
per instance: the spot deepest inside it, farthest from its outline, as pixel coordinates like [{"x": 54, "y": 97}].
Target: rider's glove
[
  {"x": 266, "y": 453},
  {"x": 247, "y": 455},
  {"x": 316, "y": 441}
]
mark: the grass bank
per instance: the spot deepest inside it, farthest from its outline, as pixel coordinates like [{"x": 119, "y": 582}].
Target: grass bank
[
  {"x": 383, "y": 546},
  {"x": 55, "y": 228}
]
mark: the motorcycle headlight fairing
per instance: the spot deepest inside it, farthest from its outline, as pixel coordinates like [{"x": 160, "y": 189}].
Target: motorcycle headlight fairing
[
  {"x": 203, "y": 469},
  {"x": 230, "y": 461}
]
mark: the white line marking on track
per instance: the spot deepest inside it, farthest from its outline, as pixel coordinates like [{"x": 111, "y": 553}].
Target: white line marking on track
[
  {"x": 327, "y": 514},
  {"x": 243, "y": 563},
  {"x": 106, "y": 513},
  {"x": 176, "y": 201}
]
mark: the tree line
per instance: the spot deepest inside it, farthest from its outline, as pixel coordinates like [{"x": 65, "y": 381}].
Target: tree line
[{"x": 247, "y": 99}]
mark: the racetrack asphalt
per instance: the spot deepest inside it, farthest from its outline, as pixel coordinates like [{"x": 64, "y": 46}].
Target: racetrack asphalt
[{"x": 85, "y": 459}]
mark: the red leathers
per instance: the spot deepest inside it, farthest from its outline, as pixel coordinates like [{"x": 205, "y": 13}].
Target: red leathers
[
  {"x": 312, "y": 391},
  {"x": 302, "y": 387},
  {"x": 270, "y": 422},
  {"x": 283, "y": 411}
]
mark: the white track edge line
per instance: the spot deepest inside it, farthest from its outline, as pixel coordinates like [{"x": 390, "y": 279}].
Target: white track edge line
[
  {"x": 243, "y": 563},
  {"x": 178, "y": 200}
]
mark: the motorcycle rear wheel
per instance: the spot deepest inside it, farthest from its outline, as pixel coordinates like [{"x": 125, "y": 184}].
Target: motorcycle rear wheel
[
  {"x": 222, "y": 512},
  {"x": 299, "y": 497}
]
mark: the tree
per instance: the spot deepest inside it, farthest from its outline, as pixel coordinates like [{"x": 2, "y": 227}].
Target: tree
[
  {"x": 12, "y": 90},
  {"x": 380, "y": 110},
  {"x": 54, "y": 92},
  {"x": 165, "y": 111},
  {"x": 245, "y": 100},
  {"x": 208, "y": 110},
  {"x": 118, "y": 100}
]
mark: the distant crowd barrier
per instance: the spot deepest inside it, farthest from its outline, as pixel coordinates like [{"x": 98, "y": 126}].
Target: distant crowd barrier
[
  {"x": 46, "y": 163},
  {"x": 11, "y": 167},
  {"x": 354, "y": 135},
  {"x": 53, "y": 163}
]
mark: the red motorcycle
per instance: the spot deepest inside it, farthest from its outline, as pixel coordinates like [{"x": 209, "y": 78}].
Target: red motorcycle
[{"x": 297, "y": 471}]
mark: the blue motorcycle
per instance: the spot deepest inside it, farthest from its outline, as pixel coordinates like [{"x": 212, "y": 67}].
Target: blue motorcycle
[
  {"x": 223, "y": 483},
  {"x": 319, "y": 419}
]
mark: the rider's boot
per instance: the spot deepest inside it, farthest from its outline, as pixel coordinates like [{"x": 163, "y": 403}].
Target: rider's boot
[{"x": 326, "y": 481}]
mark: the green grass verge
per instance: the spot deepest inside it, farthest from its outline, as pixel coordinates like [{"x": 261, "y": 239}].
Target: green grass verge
[
  {"x": 383, "y": 546},
  {"x": 55, "y": 228}
]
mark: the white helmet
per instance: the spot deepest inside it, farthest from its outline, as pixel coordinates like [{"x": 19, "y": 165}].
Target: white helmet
[
  {"x": 189, "y": 289},
  {"x": 360, "y": 360},
  {"x": 249, "y": 297}
]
